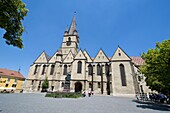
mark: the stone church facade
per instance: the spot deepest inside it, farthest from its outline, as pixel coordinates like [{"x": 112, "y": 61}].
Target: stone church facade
[{"x": 71, "y": 69}]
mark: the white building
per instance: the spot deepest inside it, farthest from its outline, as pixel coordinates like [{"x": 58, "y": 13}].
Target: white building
[{"x": 71, "y": 69}]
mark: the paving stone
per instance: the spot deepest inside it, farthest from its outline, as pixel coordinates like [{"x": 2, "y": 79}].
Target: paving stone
[{"x": 37, "y": 103}]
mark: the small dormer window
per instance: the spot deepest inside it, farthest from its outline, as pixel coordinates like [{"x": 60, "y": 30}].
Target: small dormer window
[{"x": 68, "y": 42}]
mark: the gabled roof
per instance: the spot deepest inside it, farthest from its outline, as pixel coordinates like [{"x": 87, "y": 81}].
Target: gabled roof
[
  {"x": 120, "y": 55},
  {"x": 101, "y": 57},
  {"x": 80, "y": 55},
  {"x": 72, "y": 26},
  {"x": 138, "y": 61},
  {"x": 10, "y": 73},
  {"x": 53, "y": 59},
  {"x": 69, "y": 58},
  {"x": 43, "y": 58},
  {"x": 87, "y": 56}
]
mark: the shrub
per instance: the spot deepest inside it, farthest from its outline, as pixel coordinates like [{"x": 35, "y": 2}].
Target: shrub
[{"x": 63, "y": 95}]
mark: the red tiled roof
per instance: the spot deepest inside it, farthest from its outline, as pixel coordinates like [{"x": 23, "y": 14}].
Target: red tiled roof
[
  {"x": 6, "y": 72},
  {"x": 137, "y": 60}
]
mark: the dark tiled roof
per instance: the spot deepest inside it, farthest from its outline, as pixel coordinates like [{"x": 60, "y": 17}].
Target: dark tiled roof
[
  {"x": 11, "y": 73},
  {"x": 137, "y": 61}
]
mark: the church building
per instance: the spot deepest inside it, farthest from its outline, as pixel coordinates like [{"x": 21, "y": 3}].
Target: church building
[{"x": 71, "y": 69}]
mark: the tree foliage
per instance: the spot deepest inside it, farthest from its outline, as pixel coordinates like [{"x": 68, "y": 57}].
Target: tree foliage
[
  {"x": 45, "y": 84},
  {"x": 157, "y": 67},
  {"x": 12, "y": 13}
]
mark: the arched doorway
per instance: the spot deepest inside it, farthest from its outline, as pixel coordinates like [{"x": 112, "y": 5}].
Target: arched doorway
[{"x": 78, "y": 87}]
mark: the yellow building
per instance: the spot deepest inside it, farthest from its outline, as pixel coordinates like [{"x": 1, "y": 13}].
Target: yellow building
[{"x": 10, "y": 80}]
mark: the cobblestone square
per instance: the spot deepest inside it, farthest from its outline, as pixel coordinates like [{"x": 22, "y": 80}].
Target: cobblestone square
[{"x": 37, "y": 103}]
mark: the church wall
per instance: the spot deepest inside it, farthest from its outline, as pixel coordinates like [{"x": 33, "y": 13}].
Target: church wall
[
  {"x": 74, "y": 74},
  {"x": 31, "y": 72},
  {"x": 27, "y": 85},
  {"x": 98, "y": 77},
  {"x": 117, "y": 87}
]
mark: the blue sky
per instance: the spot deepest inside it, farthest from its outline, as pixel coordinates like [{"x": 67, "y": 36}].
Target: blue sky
[{"x": 134, "y": 25}]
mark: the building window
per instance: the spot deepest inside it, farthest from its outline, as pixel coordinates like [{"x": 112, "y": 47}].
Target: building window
[
  {"x": 68, "y": 42},
  {"x": 119, "y": 54},
  {"x": 141, "y": 87},
  {"x": 32, "y": 82},
  {"x": 52, "y": 69},
  {"x": 52, "y": 88},
  {"x": 99, "y": 69},
  {"x": 79, "y": 67},
  {"x": 98, "y": 84},
  {"x": 36, "y": 68},
  {"x": 139, "y": 78},
  {"x": 8, "y": 79},
  {"x": 40, "y": 83},
  {"x": 62, "y": 84},
  {"x": 14, "y": 85},
  {"x": 6, "y": 85},
  {"x": 90, "y": 85},
  {"x": 107, "y": 69},
  {"x": 122, "y": 73},
  {"x": 65, "y": 70},
  {"x": 43, "y": 71},
  {"x": 90, "y": 69}
]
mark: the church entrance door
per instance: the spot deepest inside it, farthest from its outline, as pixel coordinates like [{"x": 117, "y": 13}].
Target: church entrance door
[{"x": 78, "y": 87}]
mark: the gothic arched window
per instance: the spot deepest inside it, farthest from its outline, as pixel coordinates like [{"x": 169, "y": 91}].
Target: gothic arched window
[
  {"x": 52, "y": 69},
  {"x": 36, "y": 68},
  {"x": 99, "y": 69},
  {"x": 122, "y": 74},
  {"x": 90, "y": 69},
  {"x": 65, "y": 70},
  {"x": 69, "y": 41},
  {"x": 43, "y": 71},
  {"x": 79, "y": 67},
  {"x": 107, "y": 69}
]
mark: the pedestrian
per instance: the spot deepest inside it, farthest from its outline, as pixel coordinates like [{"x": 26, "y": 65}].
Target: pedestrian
[{"x": 89, "y": 93}]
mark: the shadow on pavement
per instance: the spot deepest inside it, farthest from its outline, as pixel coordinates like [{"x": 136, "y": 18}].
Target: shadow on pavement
[{"x": 153, "y": 106}]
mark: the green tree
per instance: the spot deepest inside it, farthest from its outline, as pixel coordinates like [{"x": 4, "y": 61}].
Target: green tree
[
  {"x": 12, "y": 13},
  {"x": 45, "y": 84},
  {"x": 157, "y": 67}
]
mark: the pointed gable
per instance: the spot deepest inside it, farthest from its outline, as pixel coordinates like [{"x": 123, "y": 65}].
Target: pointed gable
[
  {"x": 87, "y": 56},
  {"x": 53, "y": 59},
  {"x": 120, "y": 55},
  {"x": 101, "y": 57},
  {"x": 69, "y": 58},
  {"x": 80, "y": 56},
  {"x": 43, "y": 58}
]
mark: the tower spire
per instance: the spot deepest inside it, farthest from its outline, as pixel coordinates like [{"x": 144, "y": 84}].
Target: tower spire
[{"x": 72, "y": 26}]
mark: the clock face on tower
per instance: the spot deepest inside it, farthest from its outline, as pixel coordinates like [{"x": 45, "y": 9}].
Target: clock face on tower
[{"x": 68, "y": 42}]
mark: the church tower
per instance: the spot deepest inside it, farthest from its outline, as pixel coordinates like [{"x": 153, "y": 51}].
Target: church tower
[{"x": 70, "y": 40}]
